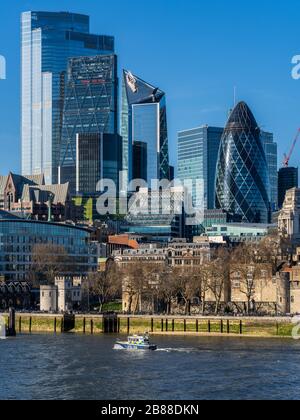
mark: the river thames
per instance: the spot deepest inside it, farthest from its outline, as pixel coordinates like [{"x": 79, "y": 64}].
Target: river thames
[{"x": 192, "y": 368}]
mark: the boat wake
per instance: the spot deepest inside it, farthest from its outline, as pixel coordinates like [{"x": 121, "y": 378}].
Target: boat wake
[
  {"x": 118, "y": 347},
  {"x": 179, "y": 350}
]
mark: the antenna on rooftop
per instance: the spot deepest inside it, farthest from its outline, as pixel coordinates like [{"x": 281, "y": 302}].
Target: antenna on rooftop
[{"x": 234, "y": 96}]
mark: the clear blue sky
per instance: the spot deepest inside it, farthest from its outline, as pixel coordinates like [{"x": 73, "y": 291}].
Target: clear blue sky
[{"x": 195, "y": 50}]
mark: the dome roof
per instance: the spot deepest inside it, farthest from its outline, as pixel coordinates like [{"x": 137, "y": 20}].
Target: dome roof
[{"x": 241, "y": 118}]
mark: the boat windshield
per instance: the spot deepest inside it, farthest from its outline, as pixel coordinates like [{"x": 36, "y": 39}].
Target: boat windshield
[{"x": 138, "y": 340}]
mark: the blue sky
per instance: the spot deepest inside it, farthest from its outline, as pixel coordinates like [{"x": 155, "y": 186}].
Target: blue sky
[{"x": 196, "y": 51}]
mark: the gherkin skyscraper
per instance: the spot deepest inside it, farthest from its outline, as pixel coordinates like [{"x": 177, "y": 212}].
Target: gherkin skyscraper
[{"x": 242, "y": 180}]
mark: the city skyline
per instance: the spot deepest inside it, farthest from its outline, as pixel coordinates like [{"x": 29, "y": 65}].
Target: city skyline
[
  {"x": 48, "y": 42},
  {"x": 268, "y": 87}
]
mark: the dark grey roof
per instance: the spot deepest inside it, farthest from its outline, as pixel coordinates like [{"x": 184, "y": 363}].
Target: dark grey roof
[
  {"x": 42, "y": 193},
  {"x": 241, "y": 118}
]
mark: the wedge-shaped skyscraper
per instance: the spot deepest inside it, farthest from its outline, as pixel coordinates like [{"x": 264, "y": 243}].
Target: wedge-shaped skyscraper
[
  {"x": 242, "y": 182},
  {"x": 144, "y": 122}
]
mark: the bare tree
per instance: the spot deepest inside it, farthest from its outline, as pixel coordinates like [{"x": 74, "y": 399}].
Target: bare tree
[
  {"x": 219, "y": 283},
  {"x": 168, "y": 287},
  {"x": 155, "y": 276},
  {"x": 104, "y": 285},
  {"x": 274, "y": 249},
  {"x": 203, "y": 276},
  {"x": 134, "y": 283},
  {"x": 48, "y": 262},
  {"x": 187, "y": 284},
  {"x": 247, "y": 267}
]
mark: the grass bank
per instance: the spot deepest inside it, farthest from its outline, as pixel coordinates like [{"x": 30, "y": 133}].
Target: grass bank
[
  {"x": 255, "y": 327},
  {"x": 95, "y": 324}
]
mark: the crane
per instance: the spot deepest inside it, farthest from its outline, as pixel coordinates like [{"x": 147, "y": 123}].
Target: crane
[{"x": 287, "y": 158}]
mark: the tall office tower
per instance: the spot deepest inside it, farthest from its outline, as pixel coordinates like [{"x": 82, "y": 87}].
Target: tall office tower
[
  {"x": 270, "y": 147},
  {"x": 198, "y": 150},
  {"x": 140, "y": 160},
  {"x": 48, "y": 41},
  {"x": 242, "y": 181},
  {"x": 98, "y": 156},
  {"x": 172, "y": 173},
  {"x": 144, "y": 119},
  {"x": 90, "y": 106},
  {"x": 287, "y": 179}
]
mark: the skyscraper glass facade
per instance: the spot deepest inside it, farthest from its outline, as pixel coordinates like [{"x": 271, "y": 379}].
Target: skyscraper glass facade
[
  {"x": 19, "y": 237},
  {"x": 49, "y": 39},
  {"x": 91, "y": 106},
  {"x": 145, "y": 128},
  {"x": 271, "y": 152},
  {"x": 88, "y": 162},
  {"x": 242, "y": 182},
  {"x": 98, "y": 156},
  {"x": 140, "y": 160},
  {"x": 197, "y": 160},
  {"x": 126, "y": 130},
  {"x": 288, "y": 178},
  {"x": 144, "y": 119}
]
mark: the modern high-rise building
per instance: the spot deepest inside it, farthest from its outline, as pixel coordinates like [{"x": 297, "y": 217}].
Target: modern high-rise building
[
  {"x": 49, "y": 39},
  {"x": 197, "y": 160},
  {"x": 90, "y": 107},
  {"x": 287, "y": 179},
  {"x": 271, "y": 152},
  {"x": 144, "y": 119},
  {"x": 140, "y": 160},
  {"x": 166, "y": 219},
  {"x": 98, "y": 156},
  {"x": 242, "y": 181}
]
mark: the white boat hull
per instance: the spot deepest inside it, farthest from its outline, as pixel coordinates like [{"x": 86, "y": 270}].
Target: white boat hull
[{"x": 127, "y": 346}]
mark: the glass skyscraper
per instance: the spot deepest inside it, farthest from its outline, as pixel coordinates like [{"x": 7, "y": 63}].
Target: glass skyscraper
[
  {"x": 90, "y": 107},
  {"x": 49, "y": 39},
  {"x": 270, "y": 147},
  {"x": 144, "y": 120},
  {"x": 197, "y": 160},
  {"x": 288, "y": 178},
  {"x": 242, "y": 181},
  {"x": 98, "y": 156}
]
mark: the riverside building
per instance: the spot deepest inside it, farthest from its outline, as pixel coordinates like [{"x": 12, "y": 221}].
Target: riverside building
[{"x": 19, "y": 237}]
